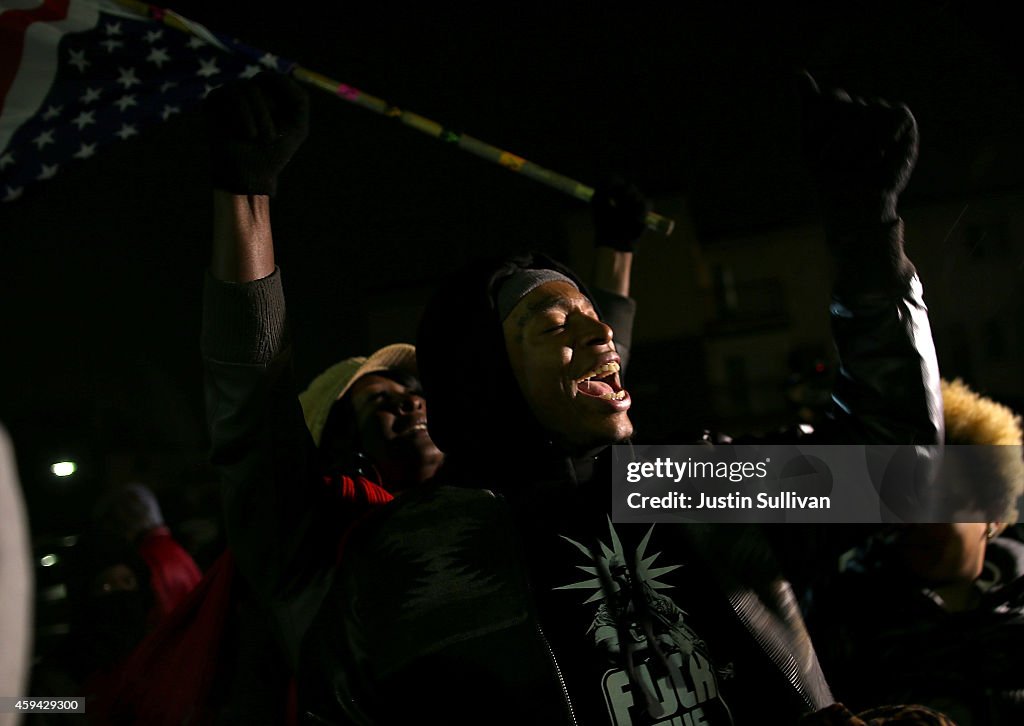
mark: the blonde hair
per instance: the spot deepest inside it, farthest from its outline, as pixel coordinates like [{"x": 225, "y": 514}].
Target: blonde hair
[{"x": 973, "y": 419}]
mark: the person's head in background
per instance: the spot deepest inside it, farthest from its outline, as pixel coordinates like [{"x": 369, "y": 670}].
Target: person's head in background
[
  {"x": 126, "y": 513},
  {"x": 368, "y": 417},
  {"x": 985, "y": 482},
  {"x": 110, "y": 599}
]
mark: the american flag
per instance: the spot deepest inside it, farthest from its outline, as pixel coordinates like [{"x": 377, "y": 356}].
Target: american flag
[{"x": 76, "y": 75}]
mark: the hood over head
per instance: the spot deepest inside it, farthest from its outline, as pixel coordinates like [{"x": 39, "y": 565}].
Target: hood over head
[{"x": 477, "y": 410}]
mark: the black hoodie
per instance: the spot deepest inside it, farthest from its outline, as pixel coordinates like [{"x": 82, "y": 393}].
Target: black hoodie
[{"x": 612, "y": 669}]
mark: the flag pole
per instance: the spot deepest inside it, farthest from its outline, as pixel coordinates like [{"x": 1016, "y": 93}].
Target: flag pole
[{"x": 355, "y": 96}]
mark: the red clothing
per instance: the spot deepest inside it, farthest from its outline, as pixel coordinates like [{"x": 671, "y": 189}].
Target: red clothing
[
  {"x": 172, "y": 571},
  {"x": 165, "y": 677},
  {"x": 167, "y": 680}
]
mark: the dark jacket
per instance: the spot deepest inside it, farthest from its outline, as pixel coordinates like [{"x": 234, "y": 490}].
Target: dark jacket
[{"x": 889, "y": 639}]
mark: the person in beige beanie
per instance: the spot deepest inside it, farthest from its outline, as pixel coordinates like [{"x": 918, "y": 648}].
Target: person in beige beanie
[{"x": 368, "y": 417}]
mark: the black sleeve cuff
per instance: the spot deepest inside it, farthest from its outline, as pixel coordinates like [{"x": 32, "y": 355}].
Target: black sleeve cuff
[
  {"x": 243, "y": 322},
  {"x": 871, "y": 261}
]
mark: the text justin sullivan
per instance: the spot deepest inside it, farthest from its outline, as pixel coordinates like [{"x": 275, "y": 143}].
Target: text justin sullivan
[{"x": 733, "y": 500}]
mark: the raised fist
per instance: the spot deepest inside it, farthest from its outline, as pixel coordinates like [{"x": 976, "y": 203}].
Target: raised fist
[
  {"x": 620, "y": 214},
  {"x": 255, "y": 126},
  {"x": 861, "y": 152}
]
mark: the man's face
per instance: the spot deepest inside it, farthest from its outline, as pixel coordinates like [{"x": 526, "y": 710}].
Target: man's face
[
  {"x": 564, "y": 360},
  {"x": 391, "y": 421}
]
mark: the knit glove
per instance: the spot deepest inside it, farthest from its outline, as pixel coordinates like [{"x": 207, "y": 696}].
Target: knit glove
[
  {"x": 620, "y": 214},
  {"x": 860, "y": 152},
  {"x": 255, "y": 126}
]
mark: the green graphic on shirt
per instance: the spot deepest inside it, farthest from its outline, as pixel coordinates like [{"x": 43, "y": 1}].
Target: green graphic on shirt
[{"x": 661, "y": 673}]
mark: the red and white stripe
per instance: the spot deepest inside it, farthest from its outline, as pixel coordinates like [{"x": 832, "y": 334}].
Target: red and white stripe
[{"x": 30, "y": 35}]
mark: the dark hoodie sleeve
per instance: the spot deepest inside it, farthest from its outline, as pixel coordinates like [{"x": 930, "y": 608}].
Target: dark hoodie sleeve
[
  {"x": 888, "y": 387},
  {"x": 619, "y": 312},
  {"x": 887, "y": 390},
  {"x": 277, "y": 512}
]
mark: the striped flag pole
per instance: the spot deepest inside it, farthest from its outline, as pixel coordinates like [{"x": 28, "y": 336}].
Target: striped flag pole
[{"x": 355, "y": 96}]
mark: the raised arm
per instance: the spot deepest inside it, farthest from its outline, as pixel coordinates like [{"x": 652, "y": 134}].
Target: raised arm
[
  {"x": 243, "y": 242},
  {"x": 619, "y": 212},
  {"x": 276, "y": 510},
  {"x": 862, "y": 154},
  {"x": 255, "y": 127}
]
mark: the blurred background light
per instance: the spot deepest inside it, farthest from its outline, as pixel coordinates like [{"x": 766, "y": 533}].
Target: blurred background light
[{"x": 63, "y": 468}]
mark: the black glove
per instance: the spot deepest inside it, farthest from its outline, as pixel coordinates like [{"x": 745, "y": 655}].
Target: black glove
[
  {"x": 620, "y": 214},
  {"x": 255, "y": 126},
  {"x": 861, "y": 153}
]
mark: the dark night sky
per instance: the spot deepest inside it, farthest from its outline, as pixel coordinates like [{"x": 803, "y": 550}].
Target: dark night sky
[{"x": 103, "y": 264}]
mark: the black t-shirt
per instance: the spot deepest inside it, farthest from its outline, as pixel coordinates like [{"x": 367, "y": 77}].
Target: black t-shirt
[
  {"x": 638, "y": 623},
  {"x": 645, "y": 647}
]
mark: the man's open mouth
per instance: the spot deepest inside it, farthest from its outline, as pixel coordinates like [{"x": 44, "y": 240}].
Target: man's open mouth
[
  {"x": 413, "y": 427},
  {"x": 602, "y": 382}
]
